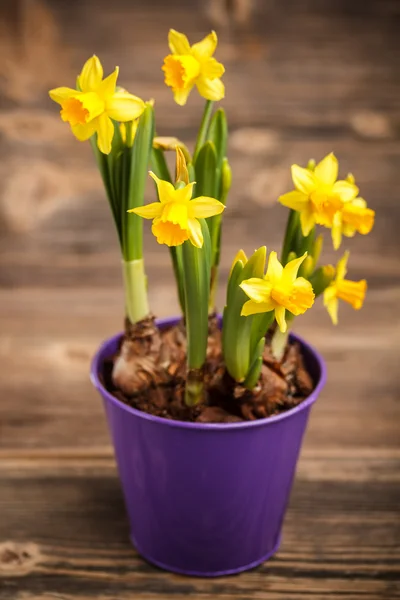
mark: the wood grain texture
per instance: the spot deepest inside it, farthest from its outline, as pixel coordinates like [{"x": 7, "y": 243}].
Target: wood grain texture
[{"x": 303, "y": 78}]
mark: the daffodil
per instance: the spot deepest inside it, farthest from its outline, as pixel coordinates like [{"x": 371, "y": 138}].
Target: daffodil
[
  {"x": 279, "y": 290},
  {"x": 318, "y": 195},
  {"x": 93, "y": 107},
  {"x": 175, "y": 217},
  {"x": 354, "y": 216},
  {"x": 352, "y": 292},
  {"x": 188, "y": 65}
]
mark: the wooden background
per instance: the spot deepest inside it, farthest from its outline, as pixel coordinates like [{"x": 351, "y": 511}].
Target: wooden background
[{"x": 303, "y": 78}]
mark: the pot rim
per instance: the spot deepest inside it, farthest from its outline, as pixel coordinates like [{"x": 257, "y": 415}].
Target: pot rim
[{"x": 97, "y": 363}]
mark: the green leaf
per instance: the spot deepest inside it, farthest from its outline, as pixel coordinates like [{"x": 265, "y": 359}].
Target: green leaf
[
  {"x": 321, "y": 278},
  {"x": 253, "y": 374},
  {"x": 196, "y": 273},
  {"x": 135, "y": 177},
  {"x": 218, "y": 134}
]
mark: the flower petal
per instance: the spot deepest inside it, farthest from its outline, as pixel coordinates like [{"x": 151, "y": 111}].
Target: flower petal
[
  {"x": 337, "y": 230},
  {"x": 212, "y": 69},
  {"x": 295, "y": 200},
  {"x": 210, "y": 89},
  {"x": 341, "y": 267},
  {"x": 303, "y": 179},
  {"x": 166, "y": 190},
  {"x": 84, "y": 132},
  {"x": 253, "y": 308},
  {"x": 274, "y": 269},
  {"x": 290, "y": 270},
  {"x": 206, "y": 47},
  {"x": 181, "y": 95},
  {"x": 327, "y": 170},
  {"x": 150, "y": 211},
  {"x": 352, "y": 292},
  {"x": 302, "y": 296},
  {"x": 91, "y": 75},
  {"x": 332, "y": 305},
  {"x": 169, "y": 233},
  {"x": 62, "y": 93},
  {"x": 176, "y": 213},
  {"x": 257, "y": 289},
  {"x": 204, "y": 207},
  {"x": 345, "y": 190},
  {"x": 108, "y": 85},
  {"x": 307, "y": 221},
  {"x": 195, "y": 233},
  {"x": 184, "y": 194},
  {"x": 178, "y": 42},
  {"x": 105, "y": 133},
  {"x": 124, "y": 107},
  {"x": 280, "y": 318}
]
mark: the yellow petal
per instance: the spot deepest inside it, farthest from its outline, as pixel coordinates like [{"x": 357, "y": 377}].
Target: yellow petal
[
  {"x": 166, "y": 191},
  {"x": 178, "y": 42},
  {"x": 307, "y": 220},
  {"x": 150, "y": 211},
  {"x": 274, "y": 269},
  {"x": 61, "y": 93},
  {"x": 176, "y": 213},
  {"x": 204, "y": 207},
  {"x": 195, "y": 233},
  {"x": 184, "y": 194},
  {"x": 169, "y": 233},
  {"x": 124, "y": 107},
  {"x": 181, "y": 95},
  {"x": 360, "y": 218},
  {"x": 108, "y": 85},
  {"x": 210, "y": 89},
  {"x": 207, "y": 46},
  {"x": 327, "y": 170},
  {"x": 303, "y": 179},
  {"x": 253, "y": 308},
  {"x": 84, "y": 132},
  {"x": 212, "y": 69},
  {"x": 290, "y": 270},
  {"x": 331, "y": 304},
  {"x": 295, "y": 200},
  {"x": 337, "y": 230},
  {"x": 257, "y": 289},
  {"x": 105, "y": 133},
  {"x": 352, "y": 292},
  {"x": 344, "y": 190},
  {"x": 91, "y": 75},
  {"x": 301, "y": 297},
  {"x": 280, "y": 318},
  {"x": 341, "y": 267}
]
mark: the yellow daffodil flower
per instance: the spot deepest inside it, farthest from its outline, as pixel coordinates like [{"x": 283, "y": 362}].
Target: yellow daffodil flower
[
  {"x": 318, "y": 195},
  {"x": 175, "y": 216},
  {"x": 240, "y": 256},
  {"x": 279, "y": 290},
  {"x": 193, "y": 65},
  {"x": 352, "y": 292},
  {"x": 91, "y": 109},
  {"x": 354, "y": 216}
]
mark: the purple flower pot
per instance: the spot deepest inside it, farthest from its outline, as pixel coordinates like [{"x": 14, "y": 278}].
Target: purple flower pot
[{"x": 206, "y": 499}]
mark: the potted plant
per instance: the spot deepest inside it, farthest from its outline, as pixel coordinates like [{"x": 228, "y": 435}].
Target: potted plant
[{"x": 207, "y": 415}]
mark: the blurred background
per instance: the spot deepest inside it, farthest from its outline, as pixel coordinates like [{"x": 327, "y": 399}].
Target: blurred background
[{"x": 303, "y": 78}]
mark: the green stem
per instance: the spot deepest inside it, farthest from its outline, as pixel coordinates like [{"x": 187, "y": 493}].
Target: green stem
[
  {"x": 202, "y": 135},
  {"x": 279, "y": 340},
  {"x": 135, "y": 285}
]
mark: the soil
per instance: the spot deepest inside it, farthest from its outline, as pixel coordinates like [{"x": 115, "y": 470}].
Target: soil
[{"x": 282, "y": 385}]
